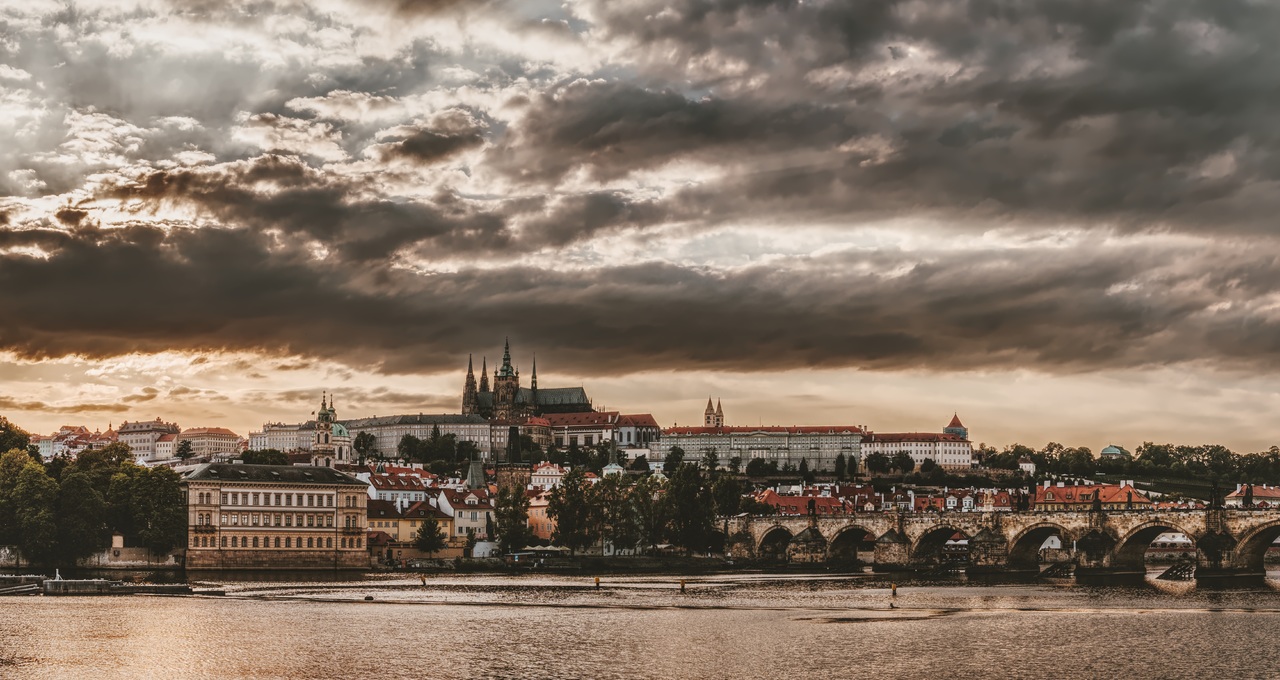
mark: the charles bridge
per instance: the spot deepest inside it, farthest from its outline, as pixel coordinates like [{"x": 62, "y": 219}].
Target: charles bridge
[{"x": 1228, "y": 542}]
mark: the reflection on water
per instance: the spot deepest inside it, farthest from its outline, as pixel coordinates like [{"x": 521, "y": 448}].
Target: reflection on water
[{"x": 721, "y": 626}]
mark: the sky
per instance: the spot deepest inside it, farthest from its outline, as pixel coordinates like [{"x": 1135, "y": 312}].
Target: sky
[{"x": 1056, "y": 218}]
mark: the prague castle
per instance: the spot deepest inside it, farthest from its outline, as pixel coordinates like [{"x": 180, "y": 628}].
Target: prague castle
[{"x": 507, "y": 400}]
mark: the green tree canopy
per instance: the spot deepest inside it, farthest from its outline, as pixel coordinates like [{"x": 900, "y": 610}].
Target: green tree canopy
[
  {"x": 430, "y": 538},
  {"x": 574, "y": 513},
  {"x": 12, "y": 436},
  {"x": 264, "y": 457},
  {"x": 690, "y": 509},
  {"x": 511, "y": 516},
  {"x": 674, "y": 459}
]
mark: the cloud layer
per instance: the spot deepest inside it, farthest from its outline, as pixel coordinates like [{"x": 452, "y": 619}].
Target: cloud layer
[{"x": 739, "y": 185}]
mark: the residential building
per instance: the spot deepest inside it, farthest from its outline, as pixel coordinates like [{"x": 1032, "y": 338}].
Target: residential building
[
  {"x": 211, "y": 443},
  {"x": 547, "y": 476},
  {"x": 71, "y": 440},
  {"x": 1264, "y": 496},
  {"x": 541, "y": 523},
  {"x": 275, "y": 517},
  {"x": 471, "y": 509},
  {"x": 406, "y": 489},
  {"x": 1062, "y": 496},
  {"x": 166, "y": 447},
  {"x": 800, "y": 505},
  {"x": 141, "y": 436}
]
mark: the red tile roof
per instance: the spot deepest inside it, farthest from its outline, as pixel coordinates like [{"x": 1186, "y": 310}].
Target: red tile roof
[
  {"x": 795, "y": 429},
  {"x": 893, "y": 437},
  {"x": 638, "y": 420},
  {"x": 955, "y": 421},
  {"x": 589, "y": 418}
]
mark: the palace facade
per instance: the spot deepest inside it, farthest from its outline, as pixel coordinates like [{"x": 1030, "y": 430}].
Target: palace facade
[{"x": 275, "y": 517}]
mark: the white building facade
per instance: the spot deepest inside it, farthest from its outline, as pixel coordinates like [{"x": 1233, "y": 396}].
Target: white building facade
[
  {"x": 141, "y": 436},
  {"x": 817, "y": 445}
]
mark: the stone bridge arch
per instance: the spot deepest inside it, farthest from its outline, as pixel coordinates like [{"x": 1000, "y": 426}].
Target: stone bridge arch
[
  {"x": 1250, "y": 551},
  {"x": 1024, "y": 546},
  {"x": 1131, "y": 547},
  {"x": 773, "y": 542},
  {"x": 928, "y": 546},
  {"x": 850, "y": 539}
]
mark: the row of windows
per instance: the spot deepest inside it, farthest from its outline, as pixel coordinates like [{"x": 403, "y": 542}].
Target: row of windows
[
  {"x": 266, "y": 542},
  {"x": 268, "y": 520},
  {"x": 309, "y": 500}
]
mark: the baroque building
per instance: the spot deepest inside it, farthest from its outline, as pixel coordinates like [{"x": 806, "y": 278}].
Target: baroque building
[
  {"x": 275, "y": 517},
  {"x": 507, "y": 400}
]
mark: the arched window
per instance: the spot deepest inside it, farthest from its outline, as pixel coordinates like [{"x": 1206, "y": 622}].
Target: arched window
[
  {"x": 224, "y": 541},
  {"x": 255, "y": 541},
  {"x": 309, "y": 542},
  {"x": 235, "y": 541},
  {"x": 277, "y": 541},
  {"x": 358, "y": 541},
  {"x": 328, "y": 542}
]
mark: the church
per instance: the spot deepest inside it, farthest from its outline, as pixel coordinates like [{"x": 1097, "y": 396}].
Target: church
[{"x": 507, "y": 400}]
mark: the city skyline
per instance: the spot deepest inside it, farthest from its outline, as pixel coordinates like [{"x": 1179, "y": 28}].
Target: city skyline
[{"x": 1055, "y": 222}]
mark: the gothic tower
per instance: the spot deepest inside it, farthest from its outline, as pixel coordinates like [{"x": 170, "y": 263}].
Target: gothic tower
[
  {"x": 506, "y": 385},
  {"x": 484, "y": 374},
  {"x": 470, "y": 400},
  {"x": 709, "y": 415},
  {"x": 719, "y": 415},
  {"x": 322, "y": 445}
]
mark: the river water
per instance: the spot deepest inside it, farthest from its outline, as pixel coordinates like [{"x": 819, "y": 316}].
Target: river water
[{"x": 736, "y": 626}]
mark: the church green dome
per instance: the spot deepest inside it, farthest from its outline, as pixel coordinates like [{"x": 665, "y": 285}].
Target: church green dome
[{"x": 340, "y": 430}]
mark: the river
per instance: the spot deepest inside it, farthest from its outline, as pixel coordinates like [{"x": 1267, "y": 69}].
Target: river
[{"x": 735, "y": 626}]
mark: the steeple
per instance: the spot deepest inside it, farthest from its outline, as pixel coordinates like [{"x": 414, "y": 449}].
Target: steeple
[
  {"x": 484, "y": 374},
  {"x": 470, "y": 403},
  {"x": 506, "y": 371},
  {"x": 719, "y": 414},
  {"x": 709, "y": 415},
  {"x": 533, "y": 383}
]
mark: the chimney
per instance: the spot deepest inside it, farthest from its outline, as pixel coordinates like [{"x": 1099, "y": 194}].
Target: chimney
[{"x": 1047, "y": 483}]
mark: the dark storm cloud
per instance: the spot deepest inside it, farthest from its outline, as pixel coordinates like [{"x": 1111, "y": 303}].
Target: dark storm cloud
[
  {"x": 1056, "y": 309},
  {"x": 1134, "y": 113}
]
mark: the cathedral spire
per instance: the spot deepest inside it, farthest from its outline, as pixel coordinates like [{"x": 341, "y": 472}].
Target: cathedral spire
[
  {"x": 484, "y": 374},
  {"x": 533, "y": 382},
  {"x": 506, "y": 371}
]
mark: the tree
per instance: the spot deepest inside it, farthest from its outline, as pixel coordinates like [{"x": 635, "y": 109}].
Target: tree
[
  {"x": 735, "y": 464},
  {"x": 574, "y": 514},
  {"x": 12, "y": 462},
  {"x": 408, "y": 447},
  {"x": 878, "y": 463},
  {"x": 35, "y": 496},
  {"x": 640, "y": 464},
  {"x": 758, "y": 467},
  {"x": 511, "y": 513},
  {"x": 726, "y": 491},
  {"x": 691, "y": 509},
  {"x": 365, "y": 444},
  {"x": 264, "y": 457},
  {"x": 81, "y": 518},
  {"x": 710, "y": 461},
  {"x": 903, "y": 461},
  {"x": 649, "y": 510},
  {"x": 927, "y": 465},
  {"x": 159, "y": 512},
  {"x": 674, "y": 459},
  {"x": 806, "y": 475},
  {"x": 430, "y": 538},
  {"x": 841, "y": 468},
  {"x": 184, "y": 450},
  {"x": 12, "y": 436},
  {"x": 618, "y": 523}
]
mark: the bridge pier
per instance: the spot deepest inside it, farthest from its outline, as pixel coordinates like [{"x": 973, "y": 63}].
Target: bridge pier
[
  {"x": 893, "y": 552},
  {"x": 988, "y": 553}
]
